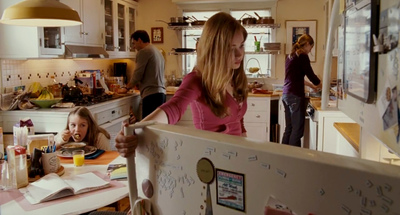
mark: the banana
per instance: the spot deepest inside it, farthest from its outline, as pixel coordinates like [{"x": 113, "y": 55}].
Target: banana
[
  {"x": 35, "y": 89},
  {"x": 45, "y": 95}
]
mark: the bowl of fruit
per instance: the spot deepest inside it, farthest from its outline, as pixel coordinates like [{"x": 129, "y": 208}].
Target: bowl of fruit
[{"x": 45, "y": 100}]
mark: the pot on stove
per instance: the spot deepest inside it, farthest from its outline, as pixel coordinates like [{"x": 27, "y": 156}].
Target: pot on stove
[{"x": 72, "y": 93}]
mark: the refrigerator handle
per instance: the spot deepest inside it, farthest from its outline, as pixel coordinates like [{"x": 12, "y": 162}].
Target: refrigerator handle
[{"x": 130, "y": 163}]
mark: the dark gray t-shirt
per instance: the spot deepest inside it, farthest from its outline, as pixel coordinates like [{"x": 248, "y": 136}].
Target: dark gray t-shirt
[{"x": 149, "y": 71}]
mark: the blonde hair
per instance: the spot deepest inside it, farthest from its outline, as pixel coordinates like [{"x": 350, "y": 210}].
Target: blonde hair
[
  {"x": 93, "y": 127},
  {"x": 214, "y": 62},
  {"x": 301, "y": 42}
]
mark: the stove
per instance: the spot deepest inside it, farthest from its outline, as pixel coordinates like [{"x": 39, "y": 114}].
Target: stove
[{"x": 89, "y": 100}]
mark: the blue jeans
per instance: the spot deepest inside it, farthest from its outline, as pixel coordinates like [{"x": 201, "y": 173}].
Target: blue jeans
[{"x": 294, "y": 118}]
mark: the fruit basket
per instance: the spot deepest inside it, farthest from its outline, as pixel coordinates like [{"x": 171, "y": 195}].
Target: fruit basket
[
  {"x": 45, "y": 103},
  {"x": 253, "y": 70}
]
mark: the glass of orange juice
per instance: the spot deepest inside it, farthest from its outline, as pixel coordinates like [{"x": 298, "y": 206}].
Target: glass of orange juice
[{"x": 79, "y": 157}]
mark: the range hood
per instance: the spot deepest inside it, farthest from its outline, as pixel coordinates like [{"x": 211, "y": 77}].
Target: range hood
[{"x": 74, "y": 51}]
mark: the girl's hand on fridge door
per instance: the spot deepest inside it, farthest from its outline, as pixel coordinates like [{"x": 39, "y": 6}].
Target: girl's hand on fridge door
[{"x": 125, "y": 145}]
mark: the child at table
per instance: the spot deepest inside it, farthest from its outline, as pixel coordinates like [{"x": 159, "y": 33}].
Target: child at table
[{"x": 81, "y": 127}]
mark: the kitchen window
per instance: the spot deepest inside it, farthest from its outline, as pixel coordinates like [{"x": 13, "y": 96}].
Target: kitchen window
[{"x": 252, "y": 59}]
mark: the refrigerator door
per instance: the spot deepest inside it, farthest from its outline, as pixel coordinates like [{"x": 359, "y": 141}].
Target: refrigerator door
[{"x": 250, "y": 176}]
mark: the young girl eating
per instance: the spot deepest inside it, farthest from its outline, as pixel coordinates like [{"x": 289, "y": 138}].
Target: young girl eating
[{"x": 81, "y": 127}]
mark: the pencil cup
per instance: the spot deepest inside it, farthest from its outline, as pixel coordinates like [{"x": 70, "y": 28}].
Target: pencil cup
[
  {"x": 78, "y": 157},
  {"x": 257, "y": 46},
  {"x": 50, "y": 162}
]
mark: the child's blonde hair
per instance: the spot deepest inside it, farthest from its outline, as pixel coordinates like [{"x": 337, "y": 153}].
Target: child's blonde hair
[
  {"x": 93, "y": 127},
  {"x": 301, "y": 42},
  {"x": 214, "y": 62}
]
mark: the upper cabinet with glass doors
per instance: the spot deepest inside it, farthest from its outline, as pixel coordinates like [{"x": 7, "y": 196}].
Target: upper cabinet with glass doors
[
  {"x": 20, "y": 42},
  {"x": 92, "y": 29},
  {"x": 119, "y": 23}
]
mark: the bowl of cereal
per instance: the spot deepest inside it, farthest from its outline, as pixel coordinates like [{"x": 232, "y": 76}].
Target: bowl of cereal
[{"x": 70, "y": 147}]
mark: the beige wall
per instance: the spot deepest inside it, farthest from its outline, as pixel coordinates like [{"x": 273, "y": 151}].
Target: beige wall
[
  {"x": 301, "y": 10},
  {"x": 151, "y": 10}
]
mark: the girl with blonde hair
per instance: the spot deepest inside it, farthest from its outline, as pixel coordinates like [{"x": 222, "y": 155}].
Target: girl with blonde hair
[
  {"x": 216, "y": 89},
  {"x": 297, "y": 66},
  {"x": 81, "y": 127}
]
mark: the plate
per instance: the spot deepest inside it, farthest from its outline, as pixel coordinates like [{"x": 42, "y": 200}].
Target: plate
[{"x": 88, "y": 151}]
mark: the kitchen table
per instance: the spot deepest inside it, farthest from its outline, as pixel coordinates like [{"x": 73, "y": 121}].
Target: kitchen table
[{"x": 74, "y": 204}]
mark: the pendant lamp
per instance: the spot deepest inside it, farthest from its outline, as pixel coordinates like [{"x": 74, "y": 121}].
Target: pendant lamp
[{"x": 40, "y": 13}]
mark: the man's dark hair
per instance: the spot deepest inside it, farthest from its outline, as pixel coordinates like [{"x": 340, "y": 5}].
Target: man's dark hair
[{"x": 141, "y": 34}]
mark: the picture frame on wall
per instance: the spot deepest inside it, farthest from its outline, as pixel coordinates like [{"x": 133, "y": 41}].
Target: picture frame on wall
[
  {"x": 157, "y": 35},
  {"x": 294, "y": 29}
]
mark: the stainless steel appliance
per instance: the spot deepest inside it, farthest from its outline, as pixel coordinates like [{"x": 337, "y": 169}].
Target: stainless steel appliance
[
  {"x": 313, "y": 126},
  {"x": 120, "y": 70}
]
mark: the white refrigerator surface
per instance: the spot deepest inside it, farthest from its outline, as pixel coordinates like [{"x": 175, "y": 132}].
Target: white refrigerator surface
[{"x": 199, "y": 172}]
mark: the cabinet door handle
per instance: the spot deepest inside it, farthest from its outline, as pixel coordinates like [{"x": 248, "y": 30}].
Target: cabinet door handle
[
  {"x": 258, "y": 116},
  {"x": 252, "y": 104}
]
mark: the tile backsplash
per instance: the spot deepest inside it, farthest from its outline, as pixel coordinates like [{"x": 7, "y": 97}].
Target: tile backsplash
[{"x": 24, "y": 72}]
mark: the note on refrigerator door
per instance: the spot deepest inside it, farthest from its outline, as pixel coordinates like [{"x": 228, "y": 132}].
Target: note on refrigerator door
[{"x": 274, "y": 206}]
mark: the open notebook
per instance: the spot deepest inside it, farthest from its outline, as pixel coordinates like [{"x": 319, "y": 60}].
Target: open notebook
[{"x": 51, "y": 187}]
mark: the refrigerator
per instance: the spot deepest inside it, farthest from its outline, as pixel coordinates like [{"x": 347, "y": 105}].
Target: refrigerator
[
  {"x": 368, "y": 69},
  {"x": 183, "y": 171}
]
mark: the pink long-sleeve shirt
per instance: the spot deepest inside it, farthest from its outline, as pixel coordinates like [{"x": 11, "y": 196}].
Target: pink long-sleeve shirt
[{"x": 191, "y": 92}]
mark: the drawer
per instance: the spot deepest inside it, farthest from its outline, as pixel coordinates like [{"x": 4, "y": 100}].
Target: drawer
[
  {"x": 256, "y": 116},
  {"x": 257, "y": 105}
]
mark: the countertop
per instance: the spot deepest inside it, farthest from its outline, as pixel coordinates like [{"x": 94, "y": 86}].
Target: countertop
[
  {"x": 316, "y": 103},
  {"x": 351, "y": 132},
  {"x": 55, "y": 110}
]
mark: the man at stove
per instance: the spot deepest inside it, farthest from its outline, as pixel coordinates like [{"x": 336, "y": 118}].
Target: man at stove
[{"x": 148, "y": 73}]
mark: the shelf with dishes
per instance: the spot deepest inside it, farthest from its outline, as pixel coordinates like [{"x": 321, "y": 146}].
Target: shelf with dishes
[{"x": 199, "y": 27}]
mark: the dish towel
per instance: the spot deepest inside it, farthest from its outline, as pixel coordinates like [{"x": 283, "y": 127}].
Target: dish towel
[{"x": 95, "y": 155}]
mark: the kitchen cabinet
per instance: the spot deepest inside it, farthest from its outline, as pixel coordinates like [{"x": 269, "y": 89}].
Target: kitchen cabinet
[
  {"x": 92, "y": 30},
  {"x": 21, "y": 42},
  {"x": 260, "y": 117},
  {"x": 327, "y": 134},
  {"x": 119, "y": 21}
]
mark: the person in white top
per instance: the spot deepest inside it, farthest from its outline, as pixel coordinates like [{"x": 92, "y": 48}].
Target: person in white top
[{"x": 81, "y": 127}]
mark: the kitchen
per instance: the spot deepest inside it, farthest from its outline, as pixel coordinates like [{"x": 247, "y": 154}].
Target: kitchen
[
  {"x": 15, "y": 74},
  {"x": 16, "y": 71}
]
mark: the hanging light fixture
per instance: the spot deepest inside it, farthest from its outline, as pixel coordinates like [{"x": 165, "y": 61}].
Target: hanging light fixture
[{"x": 41, "y": 13}]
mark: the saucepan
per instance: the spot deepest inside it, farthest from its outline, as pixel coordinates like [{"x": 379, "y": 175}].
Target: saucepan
[
  {"x": 264, "y": 19},
  {"x": 174, "y": 23},
  {"x": 249, "y": 20},
  {"x": 195, "y": 21}
]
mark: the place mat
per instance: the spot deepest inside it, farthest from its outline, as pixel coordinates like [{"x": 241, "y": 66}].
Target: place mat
[
  {"x": 95, "y": 155},
  {"x": 103, "y": 159}
]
